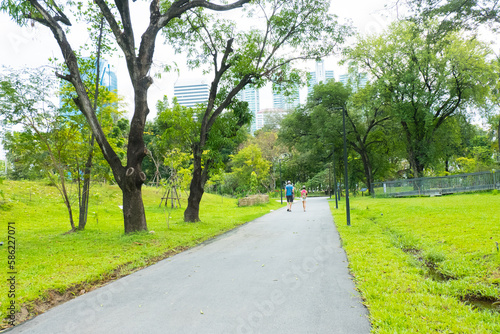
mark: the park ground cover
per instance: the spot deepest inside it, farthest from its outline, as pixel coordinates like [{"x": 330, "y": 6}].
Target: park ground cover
[
  {"x": 426, "y": 264},
  {"x": 53, "y": 266}
]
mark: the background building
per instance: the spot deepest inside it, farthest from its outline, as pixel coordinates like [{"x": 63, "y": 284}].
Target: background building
[
  {"x": 320, "y": 75},
  {"x": 107, "y": 78},
  {"x": 251, "y": 95},
  {"x": 358, "y": 80},
  {"x": 189, "y": 93},
  {"x": 280, "y": 101}
]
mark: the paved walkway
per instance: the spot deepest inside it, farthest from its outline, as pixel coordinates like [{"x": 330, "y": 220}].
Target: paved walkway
[{"x": 282, "y": 273}]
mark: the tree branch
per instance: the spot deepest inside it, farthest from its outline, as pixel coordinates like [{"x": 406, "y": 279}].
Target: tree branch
[
  {"x": 179, "y": 7},
  {"x": 75, "y": 78}
]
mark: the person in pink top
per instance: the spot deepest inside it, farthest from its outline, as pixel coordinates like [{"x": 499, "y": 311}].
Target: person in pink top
[{"x": 303, "y": 197}]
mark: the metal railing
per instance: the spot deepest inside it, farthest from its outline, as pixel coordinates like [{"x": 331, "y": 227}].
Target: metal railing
[{"x": 436, "y": 186}]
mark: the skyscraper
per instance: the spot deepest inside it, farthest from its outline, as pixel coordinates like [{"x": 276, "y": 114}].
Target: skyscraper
[
  {"x": 320, "y": 75},
  {"x": 280, "y": 101},
  {"x": 251, "y": 95},
  {"x": 189, "y": 93},
  {"x": 344, "y": 78},
  {"x": 358, "y": 80},
  {"x": 328, "y": 75},
  {"x": 107, "y": 78},
  {"x": 354, "y": 77}
]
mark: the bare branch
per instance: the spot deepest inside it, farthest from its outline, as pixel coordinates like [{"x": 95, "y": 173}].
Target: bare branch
[{"x": 179, "y": 7}]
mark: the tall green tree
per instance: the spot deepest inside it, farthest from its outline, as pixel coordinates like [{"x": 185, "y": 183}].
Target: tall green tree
[
  {"x": 493, "y": 109},
  {"x": 179, "y": 128},
  {"x": 470, "y": 15},
  {"x": 309, "y": 149},
  {"x": 426, "y": 77},
  {"x": 267, "y": 142},
  {"x": 367, "y": 127}
]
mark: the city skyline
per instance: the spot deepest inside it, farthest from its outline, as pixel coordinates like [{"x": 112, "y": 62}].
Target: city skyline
[{"x": 193, "y": 91}]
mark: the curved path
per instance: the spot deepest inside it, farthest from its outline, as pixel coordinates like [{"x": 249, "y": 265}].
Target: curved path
[{"x": 282, "y": 273}]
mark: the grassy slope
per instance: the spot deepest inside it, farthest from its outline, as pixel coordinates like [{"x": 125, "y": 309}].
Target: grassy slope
[
  {"x": 47, "y": 259},
  {"x": 417, "y": 260}
]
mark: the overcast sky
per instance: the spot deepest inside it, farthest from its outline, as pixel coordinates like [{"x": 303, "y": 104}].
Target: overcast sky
[{"x": 33, "y": 46}]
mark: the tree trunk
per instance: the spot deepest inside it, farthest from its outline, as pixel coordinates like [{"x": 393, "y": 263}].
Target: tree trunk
[
  {"x": 133, "y": 208},
  {"x": 70, "y": 211},
  {"x": 133, "y": 211},
  {"x": 196, "y": 188},
  {"x": 132, "y": 180},
  {"x": 84, "y": 204},
  {"x": 192, "y": 213},
  {"x": 412, "y": 150},
  {"x": 416, "y": 166},
  {"x": 368, "y": 171}
]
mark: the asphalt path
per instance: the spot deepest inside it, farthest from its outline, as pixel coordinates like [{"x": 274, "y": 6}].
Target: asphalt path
[{"x": 282, "y": 273}]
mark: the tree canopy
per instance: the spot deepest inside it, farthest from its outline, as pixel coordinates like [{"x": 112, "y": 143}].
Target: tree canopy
[{"x": 425, "y": 77}]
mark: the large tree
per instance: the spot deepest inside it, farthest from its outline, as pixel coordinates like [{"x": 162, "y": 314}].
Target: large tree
[
  {"x": 467, "y": 14},
  {"x": 367, "y": 127},
  {"x": 139, "y": 59},
  {"x": 178, "y": 128},
  {"x": 251, "y": 169},
  {"x": 426, "y": 77},
  {"x": 267, "y": 141}
]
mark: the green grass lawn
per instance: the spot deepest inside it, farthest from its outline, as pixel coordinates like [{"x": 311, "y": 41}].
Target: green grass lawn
[
  {"x": 50, "y": 262},
  {"x": 427, "y": 264}
]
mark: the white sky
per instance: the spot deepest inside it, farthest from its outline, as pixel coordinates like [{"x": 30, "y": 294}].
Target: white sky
[{"x": 33, "y": 46}]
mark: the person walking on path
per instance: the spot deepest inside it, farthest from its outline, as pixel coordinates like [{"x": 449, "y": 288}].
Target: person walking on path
[
  {"x": 289, "y": 196},
  {"x": 303, "y": 197}
]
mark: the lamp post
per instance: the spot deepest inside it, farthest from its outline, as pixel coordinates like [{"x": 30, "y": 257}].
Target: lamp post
[
  {"x": 281, "y": 188},
  {"x": 330, "y": 181},
  {"x": 335, "y": 190},
  {"x": 346, "y": 178},
  {"x": 348, "y": 213}
]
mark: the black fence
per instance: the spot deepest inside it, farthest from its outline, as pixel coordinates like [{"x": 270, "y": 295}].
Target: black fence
[{"x": 437, "y": 186}]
